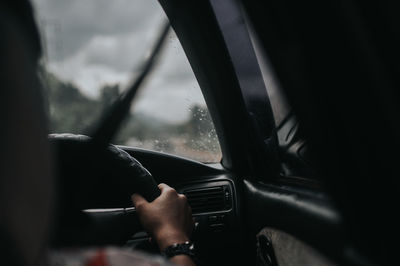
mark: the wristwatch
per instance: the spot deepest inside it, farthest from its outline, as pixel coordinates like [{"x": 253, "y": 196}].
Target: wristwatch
[{"x": 186, "y": 248}]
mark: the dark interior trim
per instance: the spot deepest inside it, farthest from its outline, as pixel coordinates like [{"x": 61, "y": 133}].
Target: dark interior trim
[
  {"x": 166, "y": 166},
  {"x": 224, "y": 79}
]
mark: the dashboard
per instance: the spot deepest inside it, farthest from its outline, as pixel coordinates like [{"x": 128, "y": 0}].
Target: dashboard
[
  {"x": 212, "y": 194},
  {"x": 212, "y": 204},
  {"x": 214, "y": 210},
  {"x": 214, "y": 207}
]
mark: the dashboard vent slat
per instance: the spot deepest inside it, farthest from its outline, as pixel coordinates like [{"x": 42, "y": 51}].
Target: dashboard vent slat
[{"x": 210, "y": 199}]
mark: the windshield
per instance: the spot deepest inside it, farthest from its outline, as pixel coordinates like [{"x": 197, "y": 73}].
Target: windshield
[{"x": 93, "y": 48}]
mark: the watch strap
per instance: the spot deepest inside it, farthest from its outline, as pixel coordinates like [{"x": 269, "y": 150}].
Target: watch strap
[{"x": 186, "y": 248}]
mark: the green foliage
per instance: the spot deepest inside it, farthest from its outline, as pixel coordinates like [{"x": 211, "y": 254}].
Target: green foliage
[{"x": 68, "y": 109}]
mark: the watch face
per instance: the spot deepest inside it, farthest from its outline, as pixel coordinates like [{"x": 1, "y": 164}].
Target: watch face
[{"x": 186, "y": 248}]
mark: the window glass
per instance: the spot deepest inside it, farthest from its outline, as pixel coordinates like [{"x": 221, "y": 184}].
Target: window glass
[{"x": 93, "y": 48}]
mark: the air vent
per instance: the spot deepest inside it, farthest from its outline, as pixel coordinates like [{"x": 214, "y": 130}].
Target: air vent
[{"x": 210, "y": 199}]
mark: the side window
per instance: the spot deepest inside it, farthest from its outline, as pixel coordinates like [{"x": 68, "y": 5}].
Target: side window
[{"x": 93, "y": 49}]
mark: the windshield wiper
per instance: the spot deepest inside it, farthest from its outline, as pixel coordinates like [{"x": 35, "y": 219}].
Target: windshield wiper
[{"x": 113, "y": 118}]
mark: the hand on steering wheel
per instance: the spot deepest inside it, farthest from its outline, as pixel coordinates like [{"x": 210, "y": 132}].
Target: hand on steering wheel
[{"x": 168, "y": 219}]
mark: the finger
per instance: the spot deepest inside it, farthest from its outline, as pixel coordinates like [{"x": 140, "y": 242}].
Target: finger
[
  {"x": 163, "y": 186},
  {"x": 182, "y": 196},
  {"x": 167, "y": 191},
  {"x": 138, "y": 200}
]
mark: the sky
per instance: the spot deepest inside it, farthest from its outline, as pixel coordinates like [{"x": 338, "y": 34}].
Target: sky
[{"x": 96, "y": 42}]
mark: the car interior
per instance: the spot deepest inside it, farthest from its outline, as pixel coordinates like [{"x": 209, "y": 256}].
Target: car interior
[{"x": 315, "y": 183}]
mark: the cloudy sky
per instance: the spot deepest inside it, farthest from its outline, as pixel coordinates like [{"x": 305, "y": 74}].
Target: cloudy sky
[{"x": 95, "y": 42}]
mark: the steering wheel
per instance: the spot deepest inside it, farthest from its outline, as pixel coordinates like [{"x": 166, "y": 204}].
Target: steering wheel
[
  {"x": 90, "y": 177},
  {"x": 94, "y": 174}
]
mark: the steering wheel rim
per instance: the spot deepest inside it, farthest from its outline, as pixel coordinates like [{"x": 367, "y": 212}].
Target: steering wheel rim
[{"x": 90, "y": 177}]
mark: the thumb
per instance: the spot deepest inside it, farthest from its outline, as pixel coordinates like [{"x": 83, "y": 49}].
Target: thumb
[{"x": 138, "y": 200}]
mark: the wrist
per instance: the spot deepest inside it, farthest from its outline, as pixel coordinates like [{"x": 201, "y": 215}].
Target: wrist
[
  {"x": 180, "y": 251},
  {"x": 168, "y": 237}
]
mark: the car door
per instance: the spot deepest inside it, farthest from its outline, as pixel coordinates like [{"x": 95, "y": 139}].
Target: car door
[
  {"x": 278, "y": 206},
  {"x": 303, "y": 207}
]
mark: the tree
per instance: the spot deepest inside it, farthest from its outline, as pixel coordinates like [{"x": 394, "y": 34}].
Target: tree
[{"x": 68, "y": 109}]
